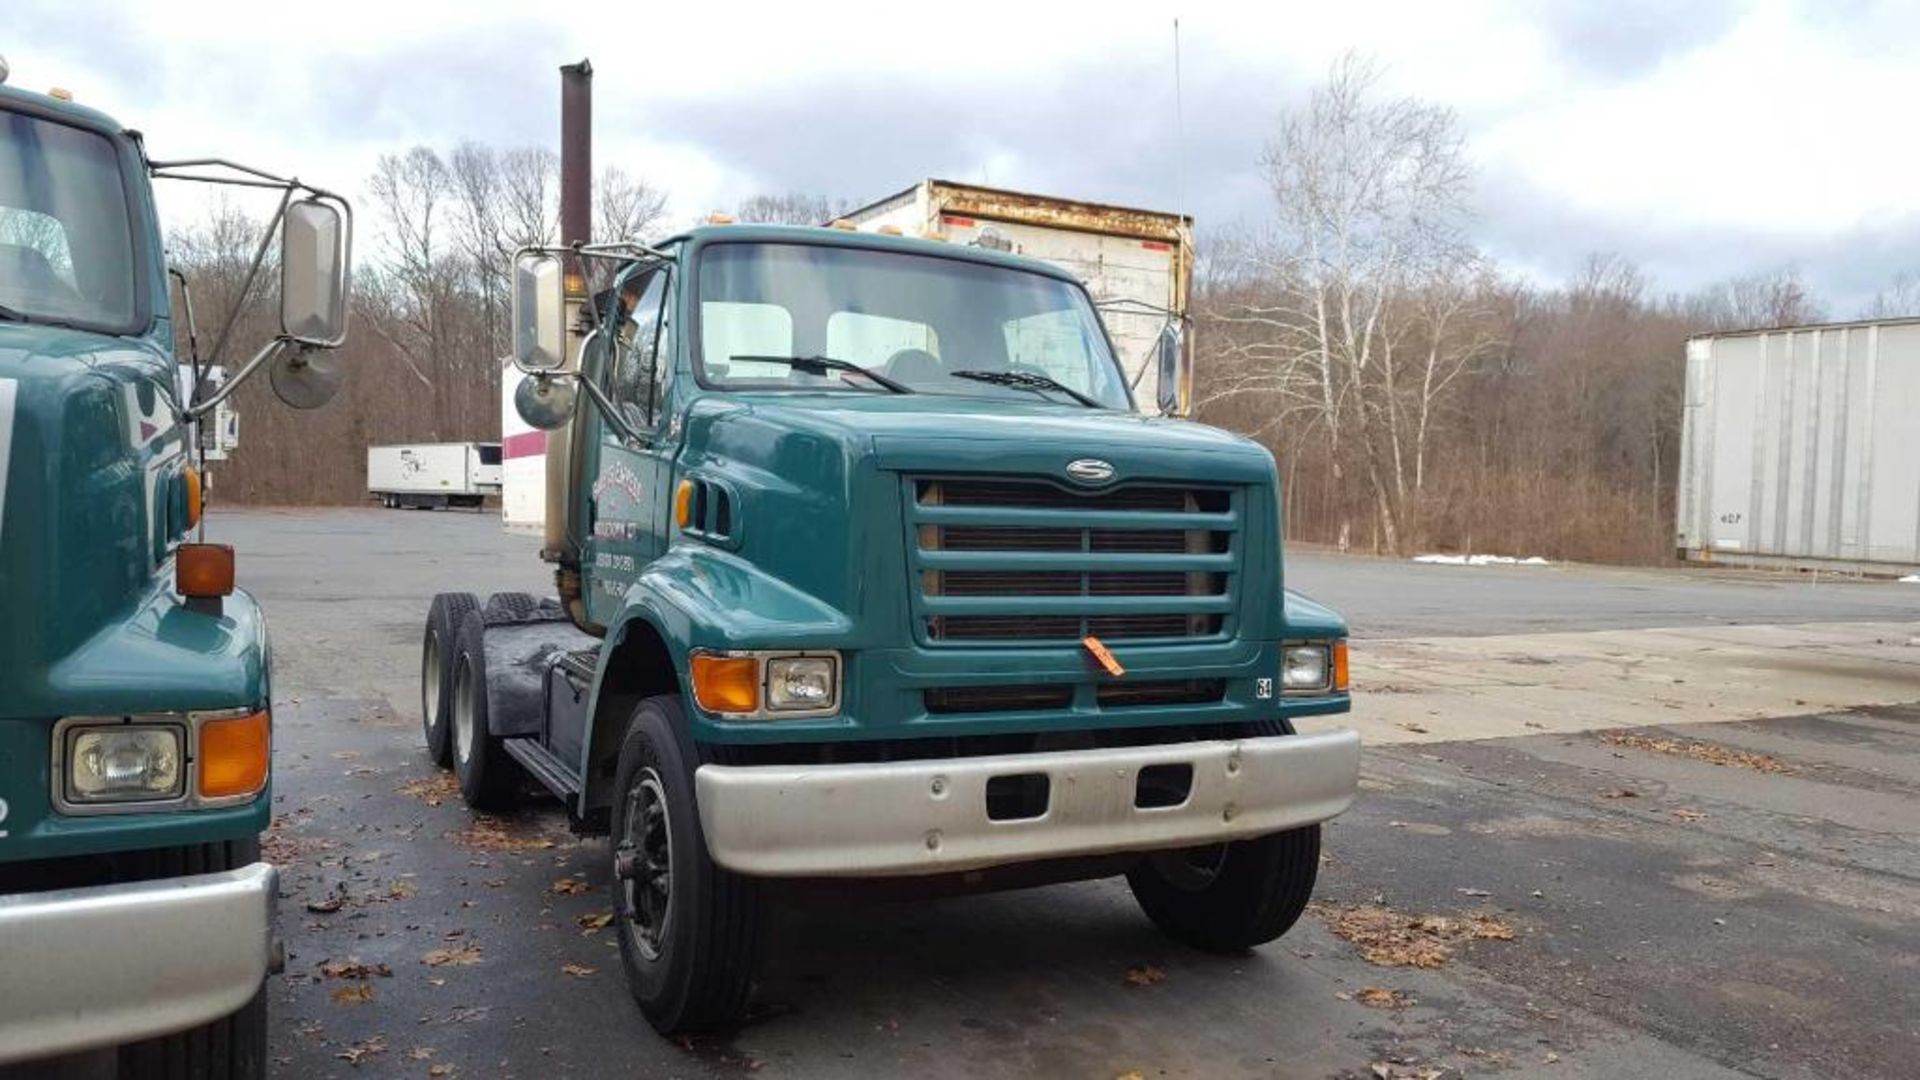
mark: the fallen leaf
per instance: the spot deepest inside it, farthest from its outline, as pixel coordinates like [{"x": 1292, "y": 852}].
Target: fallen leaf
[
  {"x": 326, "y": 905},
  {"x": 365, "y": 1048},
  {"x": 498, "y": 834},
  {"x": 1394, "y": 939},
  {"x": 420, "y": 1053},
  {"x": 433, "y": 790},
  {"x": 1620, "y": 793},
  {"x": 1473, "y": 892},
  {"x": 440, "y": 1070},
  {"x": 1144, "y": 975},
  {"x": 438, "y": 982},
  {"x": 353, "y": 995},
  {"x": 578, "y": 970},
  {"x": 1552, "y": 1057},
  {"x": 1700, "y": 751},
  {"x": 569, "y": 886},
  {"x": 1413, "y": 727},
  {"x": 1380, "y": 997},
  {"x": 597, "y": 921},
  {"x": 353, "y": 969},
  {"x": 1689, "y": 815},
  {"x": 459, "y": 957},
  {"x": 401, "y": 890}
]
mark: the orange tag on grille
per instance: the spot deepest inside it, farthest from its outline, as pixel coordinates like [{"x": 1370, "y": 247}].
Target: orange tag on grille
[{"x": 1103, "y": 654}]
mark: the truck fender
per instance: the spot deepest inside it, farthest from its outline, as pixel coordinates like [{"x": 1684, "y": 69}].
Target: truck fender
[
  {"x": 523, "y": 638},
  {"x": 692, "y": 597}
]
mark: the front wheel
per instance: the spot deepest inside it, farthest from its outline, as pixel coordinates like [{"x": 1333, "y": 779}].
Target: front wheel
[
  {"x": 690, "y": 931},
  {"x": 1227, "y": 898}
]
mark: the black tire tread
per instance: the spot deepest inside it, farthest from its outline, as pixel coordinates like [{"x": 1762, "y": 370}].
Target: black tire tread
[
  {"x": 445, "y": 614},
  {"x": 492, "y": 776}
]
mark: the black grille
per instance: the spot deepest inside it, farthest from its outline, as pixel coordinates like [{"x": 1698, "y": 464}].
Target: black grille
[
  {"x": 1122, "y": 694},
  {"x": 955, "y": 524},
  {"x": 969, "y": 699}
]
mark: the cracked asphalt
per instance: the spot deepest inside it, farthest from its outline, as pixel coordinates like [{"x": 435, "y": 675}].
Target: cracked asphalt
[{"x": 1674, "y": 911}]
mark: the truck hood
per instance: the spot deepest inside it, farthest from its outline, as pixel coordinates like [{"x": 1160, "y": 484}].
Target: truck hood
[
  {"x": 88, "y": 450},
  {"x": 934, "y": 432}
]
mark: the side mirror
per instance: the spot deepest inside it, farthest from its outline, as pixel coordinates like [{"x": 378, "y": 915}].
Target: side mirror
[
  {"x": 545, "y": 402},
  {"x": 313, "y": 274},
  {"x": 539, "y": 312},
  {"x": 1172, "y": 364}
]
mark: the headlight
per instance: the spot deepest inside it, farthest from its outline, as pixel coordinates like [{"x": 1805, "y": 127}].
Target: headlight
[
  {"x": 761, "y": 685},
  {"x": 125, "y": 762},
  {"x": 796, "y": 683},
  {"x": 1303, "y": 667}
]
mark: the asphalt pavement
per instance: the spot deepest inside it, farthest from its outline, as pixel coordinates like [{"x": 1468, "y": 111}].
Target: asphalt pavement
[{"x": 1694, "y": 899}]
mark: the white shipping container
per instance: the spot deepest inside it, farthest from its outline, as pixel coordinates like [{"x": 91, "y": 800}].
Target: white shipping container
[
  {"x": 433, "y": 474},
  {"x": 1801, "y": 446}
]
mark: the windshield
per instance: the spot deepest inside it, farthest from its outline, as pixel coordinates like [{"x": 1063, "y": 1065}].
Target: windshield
[
  {"x": 66, "y": 243},
  {"x": 929, "y": 324}
]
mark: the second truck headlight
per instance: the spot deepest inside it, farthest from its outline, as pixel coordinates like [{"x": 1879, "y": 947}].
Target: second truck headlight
[
  {"x": 796, "y": 683},
  {"x": 125, "y": 762},
  {"x": 1303, "y": 667}
]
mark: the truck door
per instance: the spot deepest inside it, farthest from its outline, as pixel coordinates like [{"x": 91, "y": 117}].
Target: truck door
[{"x": 630, "y": 501}]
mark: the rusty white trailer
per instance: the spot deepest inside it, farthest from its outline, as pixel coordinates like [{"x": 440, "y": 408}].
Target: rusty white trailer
[
  {"x": 1801, "y": 447},
  {"x": 432, "y": 475},
  {"x": 1137, "y": 264},
  {"x": 523, "y": 464}
]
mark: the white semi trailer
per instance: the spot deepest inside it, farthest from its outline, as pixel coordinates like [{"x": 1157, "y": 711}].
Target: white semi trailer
[
  {"x": 427, "y": 475},
  {"x": 1801, "y": 447}
]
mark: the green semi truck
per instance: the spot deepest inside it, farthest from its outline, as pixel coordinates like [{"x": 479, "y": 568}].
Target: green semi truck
[
  {"x": 136, "y": 914},
  {"x": 868, "y": 567}
]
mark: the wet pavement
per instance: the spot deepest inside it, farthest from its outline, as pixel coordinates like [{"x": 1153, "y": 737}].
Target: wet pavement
[{"x": 1695, "y": 899}]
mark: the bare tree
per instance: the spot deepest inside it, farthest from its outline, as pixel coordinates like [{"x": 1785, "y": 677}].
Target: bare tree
[
  {"x": 625, "y": 208},
  {"x": 1899, "y": 300},
  {"x": 1370, "y": 194},
  {"x": 1762, "y": 301},
  {"x": 791, "y": 208}
]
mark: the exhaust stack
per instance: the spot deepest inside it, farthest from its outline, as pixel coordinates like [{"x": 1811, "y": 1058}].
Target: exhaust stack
[{"x": 562, "y": 541}]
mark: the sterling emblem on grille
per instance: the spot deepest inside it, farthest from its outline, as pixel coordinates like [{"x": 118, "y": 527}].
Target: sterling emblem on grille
[{"x": 1090, "y": 471}]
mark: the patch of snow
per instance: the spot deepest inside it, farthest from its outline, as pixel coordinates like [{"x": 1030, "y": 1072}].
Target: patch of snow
[
  {"x": 1480, "y": 560},
  {"x": 1911, "y": 579}
]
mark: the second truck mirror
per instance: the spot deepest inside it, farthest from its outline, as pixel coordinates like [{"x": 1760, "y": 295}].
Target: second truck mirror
[
  {"x": 539, "y": 312},
  {"x": 1170, "y": 363},
  {"x": 313, "y": 274}
]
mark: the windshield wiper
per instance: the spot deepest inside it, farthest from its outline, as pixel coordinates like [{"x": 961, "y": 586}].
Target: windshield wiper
[
  {"x": 820, "y": 365},
  {"x": 1027, "y": 380}
]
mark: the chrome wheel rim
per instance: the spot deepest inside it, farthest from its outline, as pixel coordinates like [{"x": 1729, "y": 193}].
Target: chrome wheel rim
[
  {"x": 463, "y": 709},
  {"x": 643, "y": 864}
]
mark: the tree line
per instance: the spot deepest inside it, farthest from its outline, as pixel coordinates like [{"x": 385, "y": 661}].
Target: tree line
[{"x": 1415, "y": 395}]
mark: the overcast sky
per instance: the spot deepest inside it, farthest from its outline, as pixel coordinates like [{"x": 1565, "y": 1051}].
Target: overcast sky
[{"x": 1699, "y": 138}]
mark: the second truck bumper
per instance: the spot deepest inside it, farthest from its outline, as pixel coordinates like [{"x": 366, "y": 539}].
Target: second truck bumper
[
  {"x": 108, "y": 964},
  {"x": 930, "y": 817}
]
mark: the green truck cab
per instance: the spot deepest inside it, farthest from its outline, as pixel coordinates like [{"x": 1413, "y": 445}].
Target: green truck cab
[
  {"x": 868, "y": 568},
  {"x": 135, "y": 681}
]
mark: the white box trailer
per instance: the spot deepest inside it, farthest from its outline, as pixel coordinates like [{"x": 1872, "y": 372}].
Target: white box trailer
[
  {"x": 1801, "y": 447},
  {"x": 418, "y": 475},
  {"x": 1137, "y": 264},
  {"x": 523, "y": 463}
]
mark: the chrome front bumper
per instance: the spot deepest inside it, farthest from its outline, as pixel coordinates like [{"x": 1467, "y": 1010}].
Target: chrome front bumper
[
  {"x": 930, "y": 817},
  {"x": 98, "y": 966}
]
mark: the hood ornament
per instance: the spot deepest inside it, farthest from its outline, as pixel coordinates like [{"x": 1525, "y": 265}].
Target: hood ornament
[{"x": 1090, "y": 471}]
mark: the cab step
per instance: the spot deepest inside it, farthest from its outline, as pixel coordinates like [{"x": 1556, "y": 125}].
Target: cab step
[{"x": 554, "y": 774}]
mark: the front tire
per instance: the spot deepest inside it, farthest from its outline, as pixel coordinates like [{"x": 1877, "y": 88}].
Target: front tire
[
  {"x": 1227, "y": 898},
  {"x": 489, "y": 776},
  {"x": 690, "y": 930},
  {"x": 444, "y": 617}
]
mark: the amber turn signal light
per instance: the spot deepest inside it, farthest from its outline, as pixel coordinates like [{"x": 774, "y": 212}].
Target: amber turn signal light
[
  {"x": 234, "y": 755},
  {"x": 1340, "y": 665},
  {"x": 203, "y": 570},
  {"x": 683, "y": 504},
  {"x": 726, "y": 684},
  {"x": 196, "y": 494}
]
